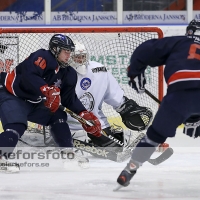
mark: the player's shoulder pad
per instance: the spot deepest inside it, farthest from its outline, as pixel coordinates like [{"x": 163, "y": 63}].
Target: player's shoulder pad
[
  {"x": 69, "y": 74},
  {"x": 96, "y": 67},
  {"x": 70, "y": 69},
  {"x": 46, "y": 54},
  {"x": 41, "y": 52}
]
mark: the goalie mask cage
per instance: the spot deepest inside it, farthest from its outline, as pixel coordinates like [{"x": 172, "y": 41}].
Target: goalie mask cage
[{"x": 110, "y": 46}]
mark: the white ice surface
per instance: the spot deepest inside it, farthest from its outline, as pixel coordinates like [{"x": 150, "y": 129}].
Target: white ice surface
[{"x": 178, "y": 178}]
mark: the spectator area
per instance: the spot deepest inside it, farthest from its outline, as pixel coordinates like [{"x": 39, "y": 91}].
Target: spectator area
[{"x": 96, "y": 5}]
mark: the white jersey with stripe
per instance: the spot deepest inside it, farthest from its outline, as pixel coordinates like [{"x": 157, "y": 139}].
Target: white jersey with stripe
[{"x": 95, "y": 87}]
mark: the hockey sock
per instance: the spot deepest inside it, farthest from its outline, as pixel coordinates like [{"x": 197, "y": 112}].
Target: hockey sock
[
  {"x": 61, "y": 134},
  {"x": 155, "y": 136},
  {"x": 9, "y": 138},
  {"x": 144, "y": 149}
]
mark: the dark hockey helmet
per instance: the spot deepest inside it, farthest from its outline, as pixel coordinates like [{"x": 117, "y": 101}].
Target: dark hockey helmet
[
  {"x": 192, "y": 27},
  {"x": 59, "y": 42}
]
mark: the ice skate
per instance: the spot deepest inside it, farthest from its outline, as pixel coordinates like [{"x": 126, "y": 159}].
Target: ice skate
[
  {"x": 127, "y": 174},
  {"x": 8, "y": 167},
  {"x": 73, "y": 161}
]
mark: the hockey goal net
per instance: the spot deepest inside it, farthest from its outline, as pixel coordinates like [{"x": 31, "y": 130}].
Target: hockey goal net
[{"x": 110, "y": 46}]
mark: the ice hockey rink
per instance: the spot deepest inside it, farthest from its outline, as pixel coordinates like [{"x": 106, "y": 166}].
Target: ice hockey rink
[{"x": 178, "y": 178}]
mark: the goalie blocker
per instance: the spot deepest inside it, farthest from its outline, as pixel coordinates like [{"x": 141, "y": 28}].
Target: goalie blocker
[{"x": 133, "y": 116}]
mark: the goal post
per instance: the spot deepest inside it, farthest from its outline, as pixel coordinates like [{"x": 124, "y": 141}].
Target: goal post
[{"x": 112, "y": 46}]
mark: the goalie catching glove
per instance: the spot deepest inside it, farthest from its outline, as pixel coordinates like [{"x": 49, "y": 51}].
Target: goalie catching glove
[
  {"x": 192, "y": 126},
  {"x": 52, "y": 95},
  {"x": 89, "y": 116},
  {"x": 133, "y": 116},
  {"x": 137, "y": 82}
]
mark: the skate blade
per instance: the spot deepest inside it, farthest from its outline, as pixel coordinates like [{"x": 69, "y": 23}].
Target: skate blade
[
  {"x": 9, "y": 171},
  {"x": 118, "y": 188}
]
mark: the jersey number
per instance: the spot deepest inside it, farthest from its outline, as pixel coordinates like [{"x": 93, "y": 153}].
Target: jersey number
[
  {"x": 192, "y": 52},
  {"x": 40, "y": 62}
]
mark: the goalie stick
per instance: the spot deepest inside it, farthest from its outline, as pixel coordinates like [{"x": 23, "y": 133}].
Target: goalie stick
[
  {"x": 106, "y": 152},
  {"x": 111, "y": 155}
]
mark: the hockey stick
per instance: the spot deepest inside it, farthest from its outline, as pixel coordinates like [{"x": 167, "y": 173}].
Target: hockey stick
[
  {"x": 104, "y": 152},
  {"x": 152, "y": 96},
  {"x": 164, "y": 156},
  {"x": 169, "y": 151},
  {"x": 30, "y": 145},
  {"x": 75, "y": 116}
]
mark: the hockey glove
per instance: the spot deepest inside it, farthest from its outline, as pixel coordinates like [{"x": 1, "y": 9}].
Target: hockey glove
[
  {"x": 138, "y": 82},
  {"x": 52, "y": 95},
  {"x": 133, "y": 116},
  {"x": 89, "y": 116},
  {"x": 192, "y": 126}
]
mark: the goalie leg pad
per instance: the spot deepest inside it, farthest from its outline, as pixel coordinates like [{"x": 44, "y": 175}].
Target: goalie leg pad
[
  {"x": 115, "y": 134},
  {"x": 71, "y": 160},
  {"x": 104, "y": 141}
]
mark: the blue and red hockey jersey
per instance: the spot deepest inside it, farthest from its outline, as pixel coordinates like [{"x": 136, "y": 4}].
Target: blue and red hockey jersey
[
  {"x": 179, "y": 54},
  {"x": 39, "y": 69}
]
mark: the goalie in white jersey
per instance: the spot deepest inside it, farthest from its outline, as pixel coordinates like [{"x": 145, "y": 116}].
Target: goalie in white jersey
[{"x": 96, "y": 85}]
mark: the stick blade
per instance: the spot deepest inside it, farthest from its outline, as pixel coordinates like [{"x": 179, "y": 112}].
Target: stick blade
[{"x": 164, "y": 156}]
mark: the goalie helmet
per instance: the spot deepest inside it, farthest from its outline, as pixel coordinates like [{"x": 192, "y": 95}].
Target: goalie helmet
[
  {"x": 193, "y": 26},
  {"x": 79, "y": 60},
  {"x": 59, "y": 42}
]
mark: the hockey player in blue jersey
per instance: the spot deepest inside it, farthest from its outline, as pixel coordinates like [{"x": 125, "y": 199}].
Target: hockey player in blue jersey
[
  {"x": 181, "y": 57},
  {"x": 33, "y": 92}
]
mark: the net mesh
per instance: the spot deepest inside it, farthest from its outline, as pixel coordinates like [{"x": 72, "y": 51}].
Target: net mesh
[{"x": 112, "y": 49}]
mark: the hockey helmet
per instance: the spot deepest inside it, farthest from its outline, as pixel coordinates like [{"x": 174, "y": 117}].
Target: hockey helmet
[
  {"x": 59, "y": 42},
  {"x": 192, "y": 27},
  {"x": 79, "y": 60}
]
